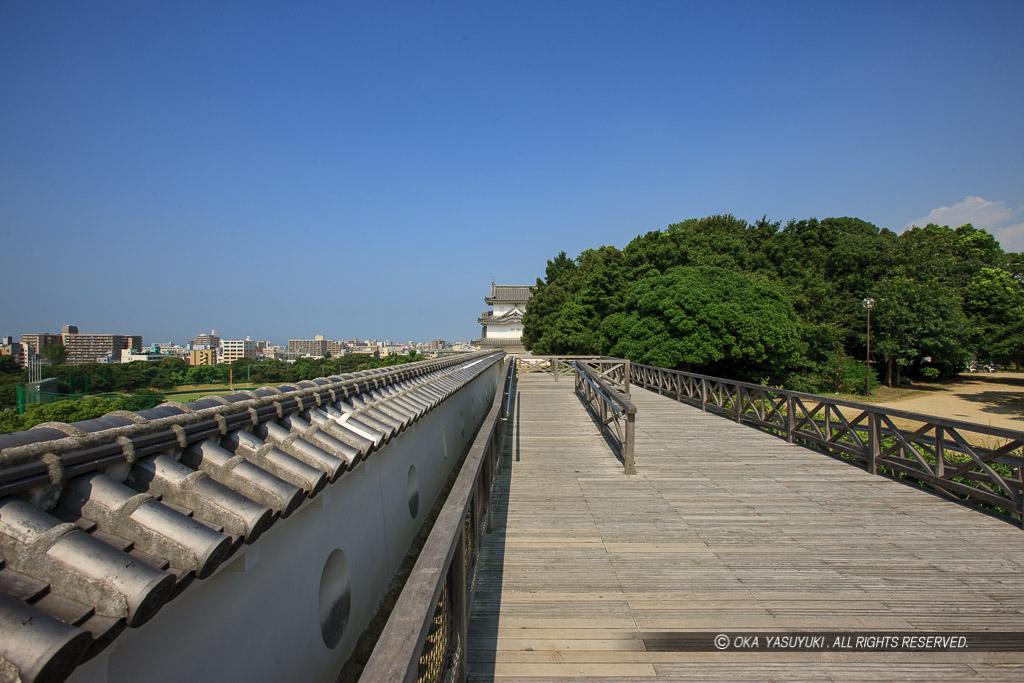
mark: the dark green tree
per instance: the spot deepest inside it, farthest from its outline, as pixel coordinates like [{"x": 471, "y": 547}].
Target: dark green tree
[
  {"x": 994, "y": 305},
  {"x": 54, "y": 354},
  {"x": 564, "y": 315},
  {"x": 707, "y": 319},
  {"x": 914, "y": 320}
]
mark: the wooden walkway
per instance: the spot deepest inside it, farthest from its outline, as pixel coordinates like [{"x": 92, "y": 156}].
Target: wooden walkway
[{"x": 724, "y": 528}]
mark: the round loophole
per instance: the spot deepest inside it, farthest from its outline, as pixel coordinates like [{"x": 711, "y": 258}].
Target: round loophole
[
  {"x": 335, "y": 598},
  {"x": 414, "y": 492}
]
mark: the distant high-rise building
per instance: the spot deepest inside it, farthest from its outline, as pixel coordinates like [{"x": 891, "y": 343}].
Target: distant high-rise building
[
  {"x": 83, "y": 348},
  {"x": 90, "y": 348},
  {"x": 15, "y": 350},
  {"x": 34, "y": 344},
  {"x": 336, "y": 348},
  {"x": 206, "y": 341},
  {"x": 202, "y": 357},
  {"x": 233, "y": 349},
  {"x": 317, "y": 347}
]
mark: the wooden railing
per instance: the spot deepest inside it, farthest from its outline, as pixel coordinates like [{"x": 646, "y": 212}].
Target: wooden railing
[
  {"x": 972, "y": 463},
  {"x": 425, "y": 635},
  {"x": 615, "y": 371},
  {"x": 614, "y": 413}
]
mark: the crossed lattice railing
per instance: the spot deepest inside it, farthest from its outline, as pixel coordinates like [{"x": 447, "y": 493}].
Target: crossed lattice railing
[
  {"x": 602, "y": 383},
  {"x": 614, "y": 371},
  {"x": 973, "y": 463}
]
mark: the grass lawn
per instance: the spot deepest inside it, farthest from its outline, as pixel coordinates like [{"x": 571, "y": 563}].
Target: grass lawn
[
  {"x": 191, "y": 392},
  {"x": 884, "y": 394}
]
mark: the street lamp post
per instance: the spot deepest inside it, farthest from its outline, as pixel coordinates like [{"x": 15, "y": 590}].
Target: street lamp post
[{"x": 868, "y": 303}]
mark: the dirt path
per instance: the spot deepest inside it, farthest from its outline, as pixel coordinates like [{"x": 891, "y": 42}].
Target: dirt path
[{"x": 995, "y": 399}]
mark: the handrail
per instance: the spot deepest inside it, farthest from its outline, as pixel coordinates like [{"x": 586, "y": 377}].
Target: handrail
[
  {"x": 601, "y": 393},
  {"x": 618, "y": 402},
  {"x": 977, "y": 464},
  {"x": 437, "y": 596},
  {"x": 506, "y": 402},
  {"x": 614, "y": 370},
  {"x": 620, "y": 425}
]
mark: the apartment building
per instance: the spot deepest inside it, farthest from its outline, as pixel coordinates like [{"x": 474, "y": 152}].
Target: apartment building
[
  {"x": 15, "y": 350},
  {"x": 33, "y": 344},
  {"x": 90, "y": 348},
  {"x": 206, "y": 341},
  {"x": 84, "y": 348},
  {"x": 316, "y": 347},
  {"x": 233, "y": 349},
  {"x": 202, "y": 357}
]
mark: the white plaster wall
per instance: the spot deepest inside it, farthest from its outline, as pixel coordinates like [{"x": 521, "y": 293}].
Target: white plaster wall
[
  {"x": 505, "y": 331},
  {"x": 257, "y": 618}
]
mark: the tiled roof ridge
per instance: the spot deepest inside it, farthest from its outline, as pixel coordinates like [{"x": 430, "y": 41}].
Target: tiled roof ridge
[
  {"x": 513, "y": 316},
  {"x": 18, "y": 455},
  {"x": 498, "y": 341},
  {"x": 509, "y": 293},
  {"x": 103, "y": 531}
]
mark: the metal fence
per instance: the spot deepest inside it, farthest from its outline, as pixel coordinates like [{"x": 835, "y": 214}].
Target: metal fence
[{"x": 25, "y": 397}]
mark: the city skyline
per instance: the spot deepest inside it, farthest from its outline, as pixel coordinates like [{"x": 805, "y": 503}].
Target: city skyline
[
  {"x": 272, "y": 171},
  {"x": 179, "y": 340}
]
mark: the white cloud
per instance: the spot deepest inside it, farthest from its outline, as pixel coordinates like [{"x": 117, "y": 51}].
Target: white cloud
[
  {"x": 1011, "y": 238},
  {"x": 997, "y": 218}
]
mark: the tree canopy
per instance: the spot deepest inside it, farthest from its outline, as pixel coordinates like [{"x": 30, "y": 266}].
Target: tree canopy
[
  {"x": 702, "y": 316},
  {"x": 149, "y": 377},
  {"x": 767, "y": 301}
]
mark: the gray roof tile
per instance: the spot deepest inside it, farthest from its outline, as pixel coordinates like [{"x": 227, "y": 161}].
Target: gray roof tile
[
  {"x": 509, "y": 294},
  {"x": 106, "y": 520}
]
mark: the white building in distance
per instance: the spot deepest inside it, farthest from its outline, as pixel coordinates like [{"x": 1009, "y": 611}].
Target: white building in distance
[
  {"x": 233, "y": 349},
  {"x": 503, "y": 324}
]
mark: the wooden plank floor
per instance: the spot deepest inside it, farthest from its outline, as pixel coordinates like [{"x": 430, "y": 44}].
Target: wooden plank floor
[{"x": 723, "y": 528}]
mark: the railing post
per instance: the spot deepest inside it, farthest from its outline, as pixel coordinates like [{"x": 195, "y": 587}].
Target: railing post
[
  {"x": 554, "y": 367},
  {"x": 790, "y": 418},
  {"x": 1020, "y": 497},
  {"x": 457, "y": 576},
  {"x": 874, "y": 443},
  {"x": 739, "y": 404},
  {"x": 703, "y": 394},
  {"x": 627, "y": 447},
  {"x": 625, "y": 377},
  {"x": 488, "y": 479}
]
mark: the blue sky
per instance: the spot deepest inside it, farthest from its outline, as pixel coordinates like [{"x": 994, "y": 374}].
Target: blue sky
[{"x": 280, "y": 170}]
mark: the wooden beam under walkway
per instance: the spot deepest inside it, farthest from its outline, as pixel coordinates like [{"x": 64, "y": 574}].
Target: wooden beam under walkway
[{"x": 722, "y": 529}]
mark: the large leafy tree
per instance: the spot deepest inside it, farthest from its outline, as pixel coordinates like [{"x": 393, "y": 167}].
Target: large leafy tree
[
  {"x": 942, "y": 294},
  {"x": 706, "y": 318},
  {"x": 994, "y": 304},
  {"x": 54, "y": 354},
  {"x": 567, "y": 308},
  {"x": 721, "y": 241},
  {"x": 915, "y": 320}
]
